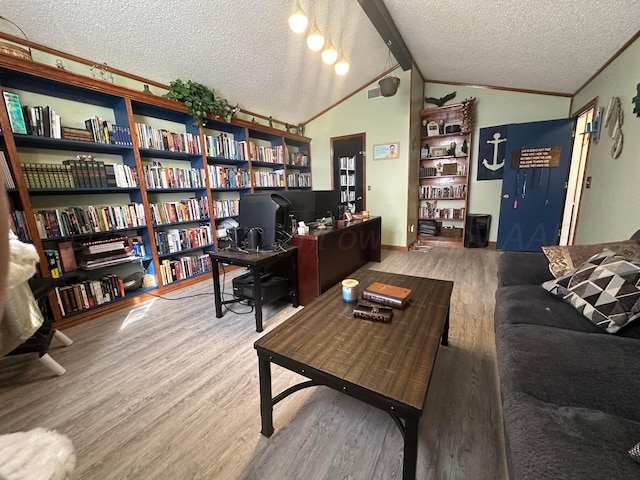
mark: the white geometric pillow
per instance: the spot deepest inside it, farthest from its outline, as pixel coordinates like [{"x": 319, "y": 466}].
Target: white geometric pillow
[{"x": 605, "y": 289}]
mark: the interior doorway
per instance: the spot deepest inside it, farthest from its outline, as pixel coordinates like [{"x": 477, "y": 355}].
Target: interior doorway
[
  {"x": 576, "y": 181},
  {"x": 349, "y": 170}
]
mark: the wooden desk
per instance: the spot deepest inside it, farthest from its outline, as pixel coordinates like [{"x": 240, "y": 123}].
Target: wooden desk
[
  {"x": 328, "y": 256},
  {"x": 387, "y": 365},
  {"x": 257, "y": 263}
]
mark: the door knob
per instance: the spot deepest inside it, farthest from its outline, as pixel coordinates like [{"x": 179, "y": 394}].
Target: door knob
[{"x": 506, "y": 195}]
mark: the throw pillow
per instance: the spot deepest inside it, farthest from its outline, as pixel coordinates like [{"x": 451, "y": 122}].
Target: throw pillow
[
  {"x": 635, "y": 452},
  {"x": 605, "y": 289},
  {"x": 563, "y": 259}
]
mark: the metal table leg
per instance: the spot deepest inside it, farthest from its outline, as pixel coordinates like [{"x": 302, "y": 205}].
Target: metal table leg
[
  {"x": 266, "y": 401},
  {"x": 217, "y": 295}
]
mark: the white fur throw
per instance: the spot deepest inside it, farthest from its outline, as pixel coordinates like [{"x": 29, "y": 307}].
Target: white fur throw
[
  {"x": 22, "y": 261},
  {"x": 38, "y": 454}
]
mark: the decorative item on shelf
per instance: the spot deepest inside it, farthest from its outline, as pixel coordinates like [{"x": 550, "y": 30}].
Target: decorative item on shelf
[
  {"x": 146, "y": 89},
  {"x": 465, "y": 147},
  {"x": 433, "y": 129},
  {"x": 388, "y": 84},
  {"x": 199, "y": 100},
  {"x": 253, "y": 120},
  {"x": 441, "y": 127},
  {"x": 270, "y": 121},
  {"x": 301, "y": 129},
  {"x": 439, "y": 102},
  {"x": 12, "y": 49},
  {"x": 424, "y": 152},
  {"x": 234, "y": 111},
  {"x": 439, "y": 151},
  {"x": 59, "y": 64},
  {"x": 452, "y": 127},
  {"x": 101, "y": 72},
  {"x": 467, "y": 115},
  {"x": 452, "y": 149}
]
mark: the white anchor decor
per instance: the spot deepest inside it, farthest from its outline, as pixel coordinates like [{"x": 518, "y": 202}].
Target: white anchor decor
[{"x": 491, "y": 152}]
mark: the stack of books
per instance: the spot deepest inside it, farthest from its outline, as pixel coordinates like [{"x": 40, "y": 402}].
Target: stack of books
[{"x": 104, "y": 253}]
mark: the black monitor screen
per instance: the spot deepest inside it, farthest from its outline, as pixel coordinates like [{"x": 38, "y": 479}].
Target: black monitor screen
[{"x": 270, "y": 213}]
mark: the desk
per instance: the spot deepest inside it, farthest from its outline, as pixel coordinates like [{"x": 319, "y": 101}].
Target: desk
[
  {"x": 387, "y": 365},
  {"x": 328, "y": 256},
  {"x": 257, "y": 263}
]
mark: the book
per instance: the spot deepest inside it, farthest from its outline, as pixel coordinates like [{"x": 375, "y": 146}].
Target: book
[
  {"x": 385, "y": 294},
  {"x": 14, "y": 109},
  {"x": 377, "y": 314},
  {"x": 53, "y": 262}
]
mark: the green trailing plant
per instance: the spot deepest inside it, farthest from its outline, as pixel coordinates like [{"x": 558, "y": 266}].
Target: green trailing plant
[{"x": 199, "y": 100}]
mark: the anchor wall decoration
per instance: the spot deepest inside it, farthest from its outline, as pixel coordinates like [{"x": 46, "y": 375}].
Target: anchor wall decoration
[{"x": 492, "y": 152}]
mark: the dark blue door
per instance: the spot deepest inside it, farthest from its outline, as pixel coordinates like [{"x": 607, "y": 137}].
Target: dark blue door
[{"x": 538, "y": 156}]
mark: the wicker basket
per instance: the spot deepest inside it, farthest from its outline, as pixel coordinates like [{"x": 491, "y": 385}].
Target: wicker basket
[
  {"x": 452, "y": 232},
  {"x": 15, "y": 51}
]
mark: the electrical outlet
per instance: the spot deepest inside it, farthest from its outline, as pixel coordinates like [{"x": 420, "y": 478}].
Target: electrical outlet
[
  {"x": 411, "y": 228},
  {"x": 369, "y": 187}
]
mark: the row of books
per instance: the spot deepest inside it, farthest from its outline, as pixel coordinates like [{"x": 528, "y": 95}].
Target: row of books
[
  {"x": 162, "y": 139},
  {"x": 348, "y": 180},
  {"x": 88, "y": 219},
  {"x": 99, "y": 131},
  {"x": 228, "y": 177},
  {"x": 172, "y": 270},
  {"x": 442, "y": 213},
  {"x": 25, "y": 120},
  {"x": 6, "y": 171},
  {"x": 266, "y": 154},
  {"x": 89, "y": 293},
  {"x": 347, "y": 163},
  {"x": 157, "y": 176},
  {"x": 226, "y": 208},
  {"x": 178, "y": 239},
  {"x": 298, "y": 179},
  {"x": 452, "y": 191},
  {"x": 19, "y": 226},
  {"x": 190, "y": 209},
  {"x": 223, "y": 146},
  {"x": 347, "y": 196},
  {"x": 79, "y": 174},
  {"x": 299, "y": 159},
  {"x": 268, "y": 179}
]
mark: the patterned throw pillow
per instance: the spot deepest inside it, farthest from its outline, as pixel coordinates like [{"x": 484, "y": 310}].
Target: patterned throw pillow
[
  {"x": 635, "y": 452},
  {"x": 605, "y": 289},
  {"x": 563, "y": 259}
]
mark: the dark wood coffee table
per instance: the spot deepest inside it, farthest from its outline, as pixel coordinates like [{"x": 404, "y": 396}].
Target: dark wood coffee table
[{"x": 387, "y": 365}]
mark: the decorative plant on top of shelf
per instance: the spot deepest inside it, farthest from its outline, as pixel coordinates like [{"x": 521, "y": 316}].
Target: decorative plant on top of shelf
[{"x": 199, "y": 100}]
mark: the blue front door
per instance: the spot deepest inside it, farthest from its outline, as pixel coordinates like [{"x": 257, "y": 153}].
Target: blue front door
[{"x": 538, "y": 156}]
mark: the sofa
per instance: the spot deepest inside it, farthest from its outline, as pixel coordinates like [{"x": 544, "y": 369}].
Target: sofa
[{"x": 570, "y": 389}]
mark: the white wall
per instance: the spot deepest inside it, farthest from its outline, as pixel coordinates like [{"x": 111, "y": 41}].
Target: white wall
[
  {"x": 610, "y": 209},
  {"x": 497, "y": 107},
  {"x": 384, "y": 120}
]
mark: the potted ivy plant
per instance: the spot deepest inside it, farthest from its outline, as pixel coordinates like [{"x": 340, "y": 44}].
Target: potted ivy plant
[{"x": 199, "y": 100}]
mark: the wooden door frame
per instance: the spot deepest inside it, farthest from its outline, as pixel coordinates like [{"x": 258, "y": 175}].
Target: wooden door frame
[
  {"x": 591, "y": 104},
  {"x": 364, "y": 162}
]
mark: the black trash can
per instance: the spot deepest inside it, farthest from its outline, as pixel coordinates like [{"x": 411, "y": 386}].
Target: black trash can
[{"x": 476, "y": 232}]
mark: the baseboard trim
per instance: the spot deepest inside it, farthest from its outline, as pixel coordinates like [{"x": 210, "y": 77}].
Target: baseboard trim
[{"x": 395, "y": 247}]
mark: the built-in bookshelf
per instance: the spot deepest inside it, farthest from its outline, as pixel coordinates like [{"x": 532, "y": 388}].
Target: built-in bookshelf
[
  {"x": 87, "y": 161},
  {"x": 443, "y": 173},
  {"x": 348, "y": 182}
]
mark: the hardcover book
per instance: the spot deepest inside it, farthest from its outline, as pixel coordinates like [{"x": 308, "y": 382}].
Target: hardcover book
[
  {"x": 385, "y": 294},
  {"x": 14, "y": 109}
]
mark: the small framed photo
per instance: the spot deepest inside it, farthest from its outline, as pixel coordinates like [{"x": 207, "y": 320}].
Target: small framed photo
[{"x": 386, "y": 150}]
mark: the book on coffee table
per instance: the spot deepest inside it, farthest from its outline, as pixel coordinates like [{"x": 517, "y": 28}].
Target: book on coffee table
[{"x": 386, "y": 294}]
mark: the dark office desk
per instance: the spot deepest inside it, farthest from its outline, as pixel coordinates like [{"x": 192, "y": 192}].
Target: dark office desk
[{"x": 258, "y": 263}]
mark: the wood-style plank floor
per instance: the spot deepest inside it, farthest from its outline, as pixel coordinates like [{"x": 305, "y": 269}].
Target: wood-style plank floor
[{"x": 167, "y": 391}]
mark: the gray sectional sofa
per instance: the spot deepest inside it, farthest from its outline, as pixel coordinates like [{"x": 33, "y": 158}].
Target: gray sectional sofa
[{"x": 570, "y": 390}]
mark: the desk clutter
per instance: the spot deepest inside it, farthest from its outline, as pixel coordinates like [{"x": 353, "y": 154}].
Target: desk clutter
[{"x": 387, "y": 296}]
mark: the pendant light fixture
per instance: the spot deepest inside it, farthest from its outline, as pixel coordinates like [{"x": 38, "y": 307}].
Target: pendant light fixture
[
  {"x": 329, "y": 54},
  {"x": 342, "y": 66},
  {"x": 298, "y": 20},
  {"x": 315, "y": 40}
]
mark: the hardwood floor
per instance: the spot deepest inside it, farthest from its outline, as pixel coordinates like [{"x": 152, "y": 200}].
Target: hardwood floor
[{"x": 167, "y": 391}]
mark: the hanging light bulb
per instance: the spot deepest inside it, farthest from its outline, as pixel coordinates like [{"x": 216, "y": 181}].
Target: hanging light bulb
[
  {"x": 342, "y": 66},
  {"x": 329, "y": 54},
  {"x": 298, "y": 20},
  {"x": 315, "y": 40}
]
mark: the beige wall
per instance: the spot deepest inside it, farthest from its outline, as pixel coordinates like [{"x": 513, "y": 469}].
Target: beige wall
[
  {"x": 384, "y": 120},
  {"x": 497, "y": 107},
  {"x": 610, "y": 208}
]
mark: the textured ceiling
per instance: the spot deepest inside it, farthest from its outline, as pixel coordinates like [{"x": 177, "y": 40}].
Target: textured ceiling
[{"x": 246, "y": 52}]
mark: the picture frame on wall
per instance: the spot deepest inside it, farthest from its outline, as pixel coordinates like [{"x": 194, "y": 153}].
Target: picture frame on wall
[{"x": 384, "y": 151}]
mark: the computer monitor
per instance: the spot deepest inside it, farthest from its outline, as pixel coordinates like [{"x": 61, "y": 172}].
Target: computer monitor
[
  {"x": 268, "y": 212},
  {"x": 303, "y": 206},
  {"x": 326, "y": 201}
]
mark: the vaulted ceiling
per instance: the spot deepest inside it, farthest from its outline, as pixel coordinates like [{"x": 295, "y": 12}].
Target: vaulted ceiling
[{"x": 246, "y": 52}]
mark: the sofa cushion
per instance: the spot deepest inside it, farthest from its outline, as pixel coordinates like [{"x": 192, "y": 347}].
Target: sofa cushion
[
  {"x": 523, "y": 268},
  {"x": 563, "y": 259},
  {"x": 532, "y": 304},
  {"x": 571, "y": 368},
  {"x": 604, "y": 289},
  {"x": 546, "y": 441}
]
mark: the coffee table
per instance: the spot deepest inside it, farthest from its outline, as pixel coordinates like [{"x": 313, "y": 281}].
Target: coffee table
[{"x": 387, "y": 365}]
